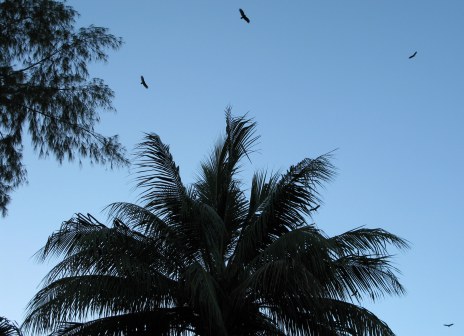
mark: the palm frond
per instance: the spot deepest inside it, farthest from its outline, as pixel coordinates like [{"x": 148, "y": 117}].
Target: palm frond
[
  {"x": 349, "y": 319},
  {"x": 67, "y": 240},
  {"x": 9, "y": 328},
  {"x": 201, "y": 288},
  {"x": 92, "y": 247},
  {"x": 297, "y": 257},
  {"x": 159, "y": 179},
  {"x": 156, "y": 322},
  {"x": 173, "y": 242},
  {"x": 286, "y": 204},
  {"x": 258, "y": 324},
  {"x": 371, "y": 241},
  {"x": 372, "y": 275},
  {"x": 218, "y": 185},
  {"x": 261, "y": 189},
  {"x": 83, "y": 296},
  {"x": 328, "y": 318},
  {"x": 240, "y": 139},
  {"x": 140, "y": 218},
  {"x": 216, "y": 189},
  {"x": 212, "y": 233},
  {"x": 112, "y": 254},
  {"x": 284, "y": 278},
  {"x": 362, "y": 263}
]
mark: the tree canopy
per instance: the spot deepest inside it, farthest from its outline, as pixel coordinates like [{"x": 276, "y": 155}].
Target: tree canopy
[
  {"x": 215, "y": 258},
  {"x": 46, "y": 89}
]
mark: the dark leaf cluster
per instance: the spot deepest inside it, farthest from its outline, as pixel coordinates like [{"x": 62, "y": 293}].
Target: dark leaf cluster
[{"x": 46, "y": 89}]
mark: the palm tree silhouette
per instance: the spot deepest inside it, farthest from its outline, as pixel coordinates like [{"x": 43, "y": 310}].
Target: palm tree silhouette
[{"x": 209, "y": 259}]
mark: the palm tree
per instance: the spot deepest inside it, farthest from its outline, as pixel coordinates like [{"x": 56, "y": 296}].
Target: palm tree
[
  {"x": 209, "y": 260},
  {"x": 9, "y": 328}
]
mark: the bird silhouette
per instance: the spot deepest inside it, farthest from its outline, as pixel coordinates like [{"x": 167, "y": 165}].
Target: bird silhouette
[
  {"x": 143, "y": 82},
  {"x": 448, "y": 325},
  {"x": 243, "y": 15},
  {"x": 413, "y": 55},
  {"x": 315, "y": 208}
]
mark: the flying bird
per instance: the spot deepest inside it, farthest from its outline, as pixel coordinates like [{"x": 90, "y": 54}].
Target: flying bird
[
  {"x": 315, "y": 208},
  {"x": 413, "y": 55},
  {"x": 448, "y": 325},
  {"x": 143, "y": 82},
  {"x": 243, "y": 15}
]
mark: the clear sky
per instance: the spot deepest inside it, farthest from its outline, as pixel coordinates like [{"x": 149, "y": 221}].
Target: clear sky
[{"x": 316, "y": 75}]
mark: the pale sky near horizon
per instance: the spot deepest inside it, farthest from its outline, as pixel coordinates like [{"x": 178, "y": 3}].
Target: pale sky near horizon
[{"x": 315, "y": 75}]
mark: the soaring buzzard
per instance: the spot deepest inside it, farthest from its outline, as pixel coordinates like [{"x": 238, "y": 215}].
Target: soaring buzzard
[
  {"x": 143, "y": 82},
  {"x": 244, "y": 17}
]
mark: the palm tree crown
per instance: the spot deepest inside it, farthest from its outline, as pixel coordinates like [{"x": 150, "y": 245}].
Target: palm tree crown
[{"x": 211, "y": 259}]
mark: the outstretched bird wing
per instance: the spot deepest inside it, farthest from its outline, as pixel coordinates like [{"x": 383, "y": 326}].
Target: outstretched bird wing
[
  {"x": 448, "y": 325},
  {"x": 243, "y": 15},
  {"x": 413, "y": 54},
  {"x": 143, "y": 82}
]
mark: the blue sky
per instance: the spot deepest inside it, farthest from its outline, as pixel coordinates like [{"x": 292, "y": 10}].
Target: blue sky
[{"x": 315, "y": 75}]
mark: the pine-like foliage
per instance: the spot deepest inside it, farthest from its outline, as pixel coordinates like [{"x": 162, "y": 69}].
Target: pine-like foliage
[
  {"x": 214, "y": 259},
  {"x": 45, "y": 89}
]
